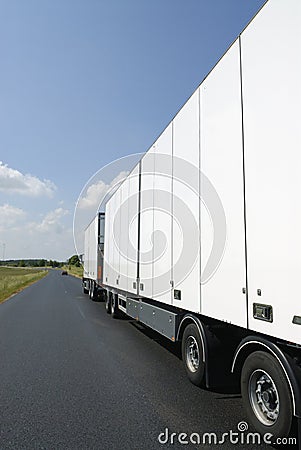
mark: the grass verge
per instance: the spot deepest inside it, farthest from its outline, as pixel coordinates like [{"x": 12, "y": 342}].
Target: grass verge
[{"x": 13, "y": 280}]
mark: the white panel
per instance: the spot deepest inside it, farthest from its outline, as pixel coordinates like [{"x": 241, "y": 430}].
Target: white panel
[
  {"x": 147, "y": 223},
  {"x": 222, "y": 215},
  {"x": 111, "y": 255},
  {"x": 108, "y": 247},
  {"x": 94, "y": 246},
  {"x": 109, "y": 272},
  {"x": 271, "y": 53},
  {"x": 162, "y": 237},
  {"x": 100, "y": 230},
  {"x": 91, "y": 246},
  {"x": 112, "y": 246},
  {"x": 86, "y": 253},
  {"x": 116, "y": 202},
  {"x": 124, "y": 235},
  {"x": 111, "y": 243},
  {"x": 133, "y": 229},
  {"x": 185, "y": 209}
]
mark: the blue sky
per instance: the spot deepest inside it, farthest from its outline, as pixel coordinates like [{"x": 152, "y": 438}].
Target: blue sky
[{"x": 83, "y": 83}]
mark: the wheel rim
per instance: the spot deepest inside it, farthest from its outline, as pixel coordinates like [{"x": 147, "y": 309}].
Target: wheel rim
[
  {"x": 192, "y": 354},
  {"x": 264, "y": 397}
]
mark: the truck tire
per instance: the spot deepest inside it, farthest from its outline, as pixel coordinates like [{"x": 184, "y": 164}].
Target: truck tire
[
  {"x": 108, "y": 303},
  {"x": 101, "y": 295},
  {"x": 85, "y": 290},
  {"x": 93, "y": 291},
  {"x": 115, "y": 313},
  {"x": 192, "y": 355},
  {"x": 266, "y": 395}
]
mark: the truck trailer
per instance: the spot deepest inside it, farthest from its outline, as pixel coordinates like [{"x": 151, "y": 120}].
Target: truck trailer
[
  {"x": 93, "y": 258},
  {"x": 202, "y": 241}
]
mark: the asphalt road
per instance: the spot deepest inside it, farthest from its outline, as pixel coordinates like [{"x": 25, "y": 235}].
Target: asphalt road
[{"x": 74, "y": 378}]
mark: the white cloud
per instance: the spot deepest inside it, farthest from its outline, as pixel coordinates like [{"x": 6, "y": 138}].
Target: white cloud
[
  {"x": 14, "y": 182},
  {"x": 10, "y": 216},
  {"x": 51, "y": 222},
  {"x": 93, "y": 196},
  {"x": 25, "y": 236},
  {"x": 97, "y": 191}
]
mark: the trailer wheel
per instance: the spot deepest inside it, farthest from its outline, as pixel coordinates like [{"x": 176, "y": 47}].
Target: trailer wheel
[
  {"x": 266, "y": 395},
  {"x": 108, "y": 303},
  {"x": 192, "y": 355},
  {"x": 85, "y": 290},
  {"x": 93, "y": 292},
  {"x": 115, "y": 313},
  {"x": 101, "y": 295},
  {"x": 90, "y": 288}
]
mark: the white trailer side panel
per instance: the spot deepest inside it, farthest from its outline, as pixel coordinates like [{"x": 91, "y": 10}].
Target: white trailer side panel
[
  {"x": 123, "y": 236},
  {"x": 162, "y": 237},
  {"x": 222, "y": 208},
  {"x": 271, "y": 64},
  {"x": 132, "y": 252},
  {"x": 86, "y": 253},
  {"x": 147, "y": 223},
  {"x": 108, "y": 247},
  {"x": 116, "y": 202},
  {"x": 91, "y": 247},
  {"x": 100, "y": 239},
  {"x": 185, "y": 207}
]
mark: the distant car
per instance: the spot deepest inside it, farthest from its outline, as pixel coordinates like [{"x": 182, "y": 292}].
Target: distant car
[{"x": 64, "y": 272}]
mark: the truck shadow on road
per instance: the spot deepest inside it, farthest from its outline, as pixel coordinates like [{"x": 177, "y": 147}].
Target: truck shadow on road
[{"x": 229, "y": 389}]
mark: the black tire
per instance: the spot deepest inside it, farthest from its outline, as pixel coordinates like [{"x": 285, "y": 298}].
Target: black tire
[
  {"x": 192, "y": 355},
  {"x": 85, "y": 290},
  {"x": 93, "y": 291},
  {"x": 108, "y": 303},
  {"x": 90, "y": 288},
  {"x": 115, "y": 313},
  {"x": 101, "y": 296},
  {"x": 262, "y": 371}
]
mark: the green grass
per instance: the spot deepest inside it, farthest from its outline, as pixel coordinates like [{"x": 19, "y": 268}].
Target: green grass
[
  {"x": 73, "y": 270},
  {"x": 13, "y": 280}
]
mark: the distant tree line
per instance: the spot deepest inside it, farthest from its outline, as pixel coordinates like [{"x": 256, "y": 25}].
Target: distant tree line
[
  {"x": 72, "y": 261},
  {"x": 32, "y": 263}
]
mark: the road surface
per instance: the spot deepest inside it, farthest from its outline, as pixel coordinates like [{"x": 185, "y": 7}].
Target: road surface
[{"x": 74, "y": 378}]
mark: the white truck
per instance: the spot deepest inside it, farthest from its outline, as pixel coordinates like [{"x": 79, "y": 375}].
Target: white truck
[
  {"x": 93, "y": 258},
  {"x": 203, "y": 238}
]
